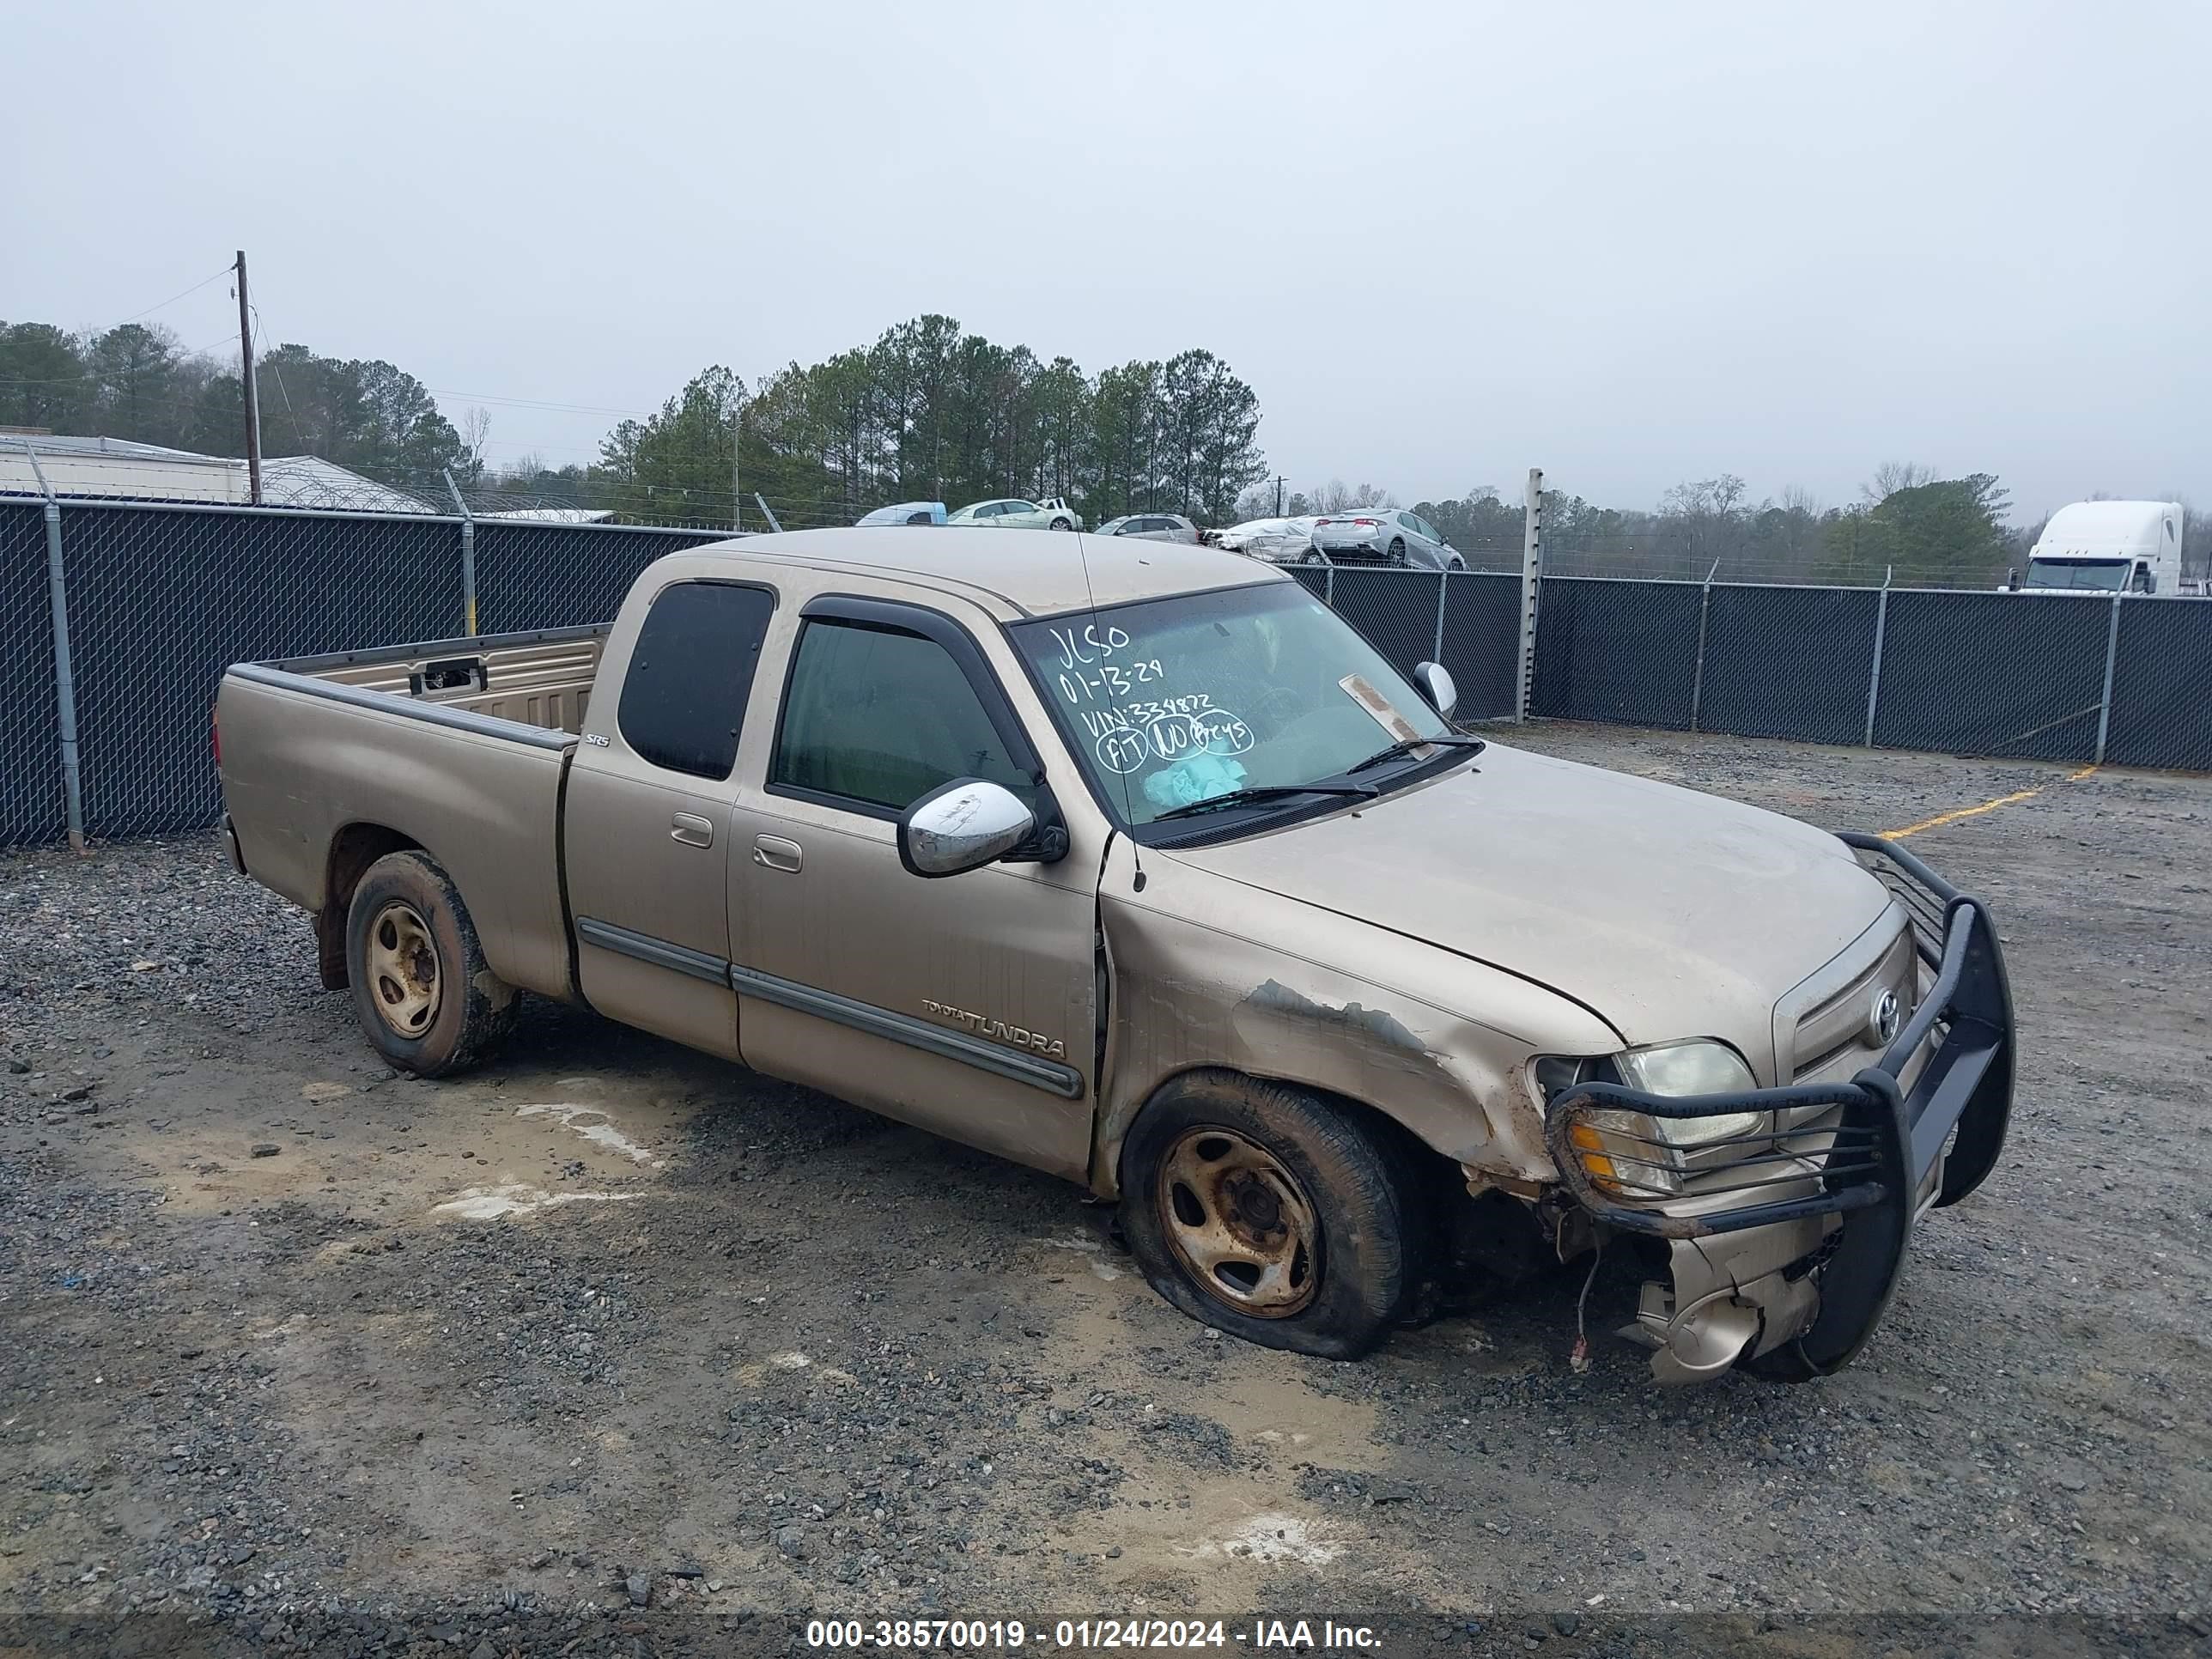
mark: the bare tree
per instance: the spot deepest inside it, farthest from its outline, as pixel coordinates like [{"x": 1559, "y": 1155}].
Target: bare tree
[
  {"x": 476, "y": 427},
  {"x": 1893, "y": 476},
  {"x": 1336, "y": 496}
]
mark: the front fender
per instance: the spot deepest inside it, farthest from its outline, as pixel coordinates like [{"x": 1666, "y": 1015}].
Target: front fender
[{"x": 1434, "y": 1041}]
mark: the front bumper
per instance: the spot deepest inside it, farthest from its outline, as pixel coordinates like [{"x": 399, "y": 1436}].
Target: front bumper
[{"x": 1785, "y": 1262}]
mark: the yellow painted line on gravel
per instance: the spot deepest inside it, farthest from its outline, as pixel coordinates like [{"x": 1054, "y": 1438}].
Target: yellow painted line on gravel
[{"x": 1986, "y": 806}]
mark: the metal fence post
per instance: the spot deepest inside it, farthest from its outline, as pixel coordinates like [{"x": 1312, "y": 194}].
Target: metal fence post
[
  {"x": 2112, "y": 660},
  {"x": 1532, "y": 583},
  {"x": 1881, "y": 630},
  {"x": 766, "y": 513},
  {"x": 468, "y": 557},
  {"x": 1443, "y": 587},
  {"x": 1328, "y": 584},
  {"x": 64, "y": 674},
  {"x": 1698, "y": 671}
]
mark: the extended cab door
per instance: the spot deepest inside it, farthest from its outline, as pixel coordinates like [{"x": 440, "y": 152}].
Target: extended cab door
[
  {"x": 964, "y": 1004},
  {"x": 647, "y": 825}
]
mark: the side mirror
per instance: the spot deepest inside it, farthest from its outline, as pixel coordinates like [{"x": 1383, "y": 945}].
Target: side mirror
[
  {"x": 962, "y": 825},
  {"x": 2011, "y": 581},
  {"x": 1435, "y": 682}
]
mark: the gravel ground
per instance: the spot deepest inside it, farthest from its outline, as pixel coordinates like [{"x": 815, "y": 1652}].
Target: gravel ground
[{"x": 611, "y": 1349}]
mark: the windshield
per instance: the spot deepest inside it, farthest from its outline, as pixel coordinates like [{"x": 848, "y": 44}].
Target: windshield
[
  {"x": 1172, "y": 702},
  {"x": 2106, "y": 575}
]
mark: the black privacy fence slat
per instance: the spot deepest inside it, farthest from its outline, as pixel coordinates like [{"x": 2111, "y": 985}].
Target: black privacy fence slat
[
  {"x": 1482, "y": 643},
  {"x": 537, "y": 575},
  {"x": 2162, "y": 686},
  {"x": 1619, "y": 650},
  {"x": 1396, "y": 610},
  {"x": 30, "y": 743},
  {"x": 2012, "y": 675},
  {"x": 1788, "y": 662},
  {"x": 162, "y": 599},
  {"x": 160, "y": 603}
]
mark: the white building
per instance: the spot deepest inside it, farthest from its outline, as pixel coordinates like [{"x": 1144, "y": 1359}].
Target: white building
[{"x": 116, "y": 468}]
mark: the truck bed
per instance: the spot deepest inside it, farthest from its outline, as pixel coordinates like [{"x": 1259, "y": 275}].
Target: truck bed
[
  {"x": 458, "y": 747},
  {"x": 542, "y": 679}
]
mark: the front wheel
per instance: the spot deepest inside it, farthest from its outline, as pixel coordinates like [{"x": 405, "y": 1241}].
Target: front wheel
[
  {"x": 422, "y": 990},
  {"x": 1262, "y": 1210}
]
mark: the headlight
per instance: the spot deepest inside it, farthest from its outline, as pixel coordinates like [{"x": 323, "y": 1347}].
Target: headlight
[{"x": 1637, "y": 1156}]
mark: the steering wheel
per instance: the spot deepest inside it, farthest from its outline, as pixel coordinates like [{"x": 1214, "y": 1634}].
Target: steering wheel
[{"x": 1279, "y": 705}]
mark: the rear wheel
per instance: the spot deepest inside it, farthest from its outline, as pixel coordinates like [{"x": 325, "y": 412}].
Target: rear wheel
[
  {"x": 1062, "y": 524},
  {"x": 1397, "y": 550},
  {"x": 1262, "y": 1210},
  {"x": 1313, "y": 555},
  {"x": 421, "y": 989}
]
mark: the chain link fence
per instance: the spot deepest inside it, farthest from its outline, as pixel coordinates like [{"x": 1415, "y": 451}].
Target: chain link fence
[
  {"x": 2016, "y": 676},
  {"x": 531, "y": 575},
  {"x": 163, "y": 598},
  {"x": 30, "y": 738}
]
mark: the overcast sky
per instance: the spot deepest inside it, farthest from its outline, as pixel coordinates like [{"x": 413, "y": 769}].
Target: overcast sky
[{"x": 1632, "y": 244}]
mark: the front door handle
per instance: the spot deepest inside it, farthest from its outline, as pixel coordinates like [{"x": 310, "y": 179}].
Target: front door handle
[
  {"x": 774, "y": 852},
  {"x": 691, "y": 830}
]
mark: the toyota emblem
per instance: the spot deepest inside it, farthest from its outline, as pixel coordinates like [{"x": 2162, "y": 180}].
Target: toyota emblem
[{"x": 1881, "y": 1018}]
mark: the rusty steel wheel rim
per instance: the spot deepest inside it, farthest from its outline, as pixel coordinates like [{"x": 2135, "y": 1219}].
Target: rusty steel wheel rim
[
  {"x": 404, "y": 980},
  {"x": 1240, "y": 1223}
]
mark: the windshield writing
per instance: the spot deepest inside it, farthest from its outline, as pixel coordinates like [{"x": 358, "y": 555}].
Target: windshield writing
[{"x": 1176, "y": 702}]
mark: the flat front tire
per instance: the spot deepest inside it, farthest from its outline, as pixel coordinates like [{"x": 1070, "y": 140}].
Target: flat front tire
[
  {"x": 1264, "y": 1211},
  {"x": 424, "y": 996}
]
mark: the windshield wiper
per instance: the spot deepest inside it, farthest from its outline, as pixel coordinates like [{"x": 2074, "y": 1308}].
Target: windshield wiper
[
  {"x": 1407, "y": 746},
  {"x": 1263, "y": 791}
]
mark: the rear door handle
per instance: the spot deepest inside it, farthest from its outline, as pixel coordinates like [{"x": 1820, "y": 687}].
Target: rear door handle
[
  {"x": 691, "y": 830},
  {"x": 774, "y": 852}
]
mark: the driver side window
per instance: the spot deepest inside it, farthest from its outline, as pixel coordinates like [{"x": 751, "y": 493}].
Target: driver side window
[{"x": 878, "y": 717}]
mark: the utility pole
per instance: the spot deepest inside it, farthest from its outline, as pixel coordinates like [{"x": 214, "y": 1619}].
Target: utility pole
[
  {"x": 1279, "y": 482},
  {"x": 737, "y": 455},
  {"x": 245, "y": 374}
]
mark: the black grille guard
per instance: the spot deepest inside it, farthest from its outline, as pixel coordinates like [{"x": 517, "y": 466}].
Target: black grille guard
[{"x": 1884, "y": 1145}]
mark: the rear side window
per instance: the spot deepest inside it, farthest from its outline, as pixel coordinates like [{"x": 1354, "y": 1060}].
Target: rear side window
[
  {"x": 684, "y": 698},
  {"x": 881, "y": 717}
]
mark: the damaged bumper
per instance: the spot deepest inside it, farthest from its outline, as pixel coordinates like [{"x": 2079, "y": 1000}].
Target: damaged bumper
[{"x": 1784, "y": 1254}]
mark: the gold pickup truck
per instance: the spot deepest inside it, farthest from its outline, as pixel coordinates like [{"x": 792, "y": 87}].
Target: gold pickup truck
[{"x": 1133, "y": 862}]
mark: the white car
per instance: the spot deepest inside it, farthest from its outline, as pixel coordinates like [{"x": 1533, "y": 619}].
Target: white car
[
  {"x": 1053, "y": 513},
  {"x": 1277, "y": 541},
  {"x": 1385, "y": 535},
  {"x": 906, "y": 512},
  {"x": 1154, "y": 527}
]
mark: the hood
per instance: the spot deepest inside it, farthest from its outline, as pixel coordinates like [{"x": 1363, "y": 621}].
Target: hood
[{"x": 1668, "y": 913}]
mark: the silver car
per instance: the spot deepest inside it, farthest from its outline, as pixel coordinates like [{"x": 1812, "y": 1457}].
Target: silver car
[
  {"x": 1385, "y": 535},
  {"x": 1154, "y": 527}
]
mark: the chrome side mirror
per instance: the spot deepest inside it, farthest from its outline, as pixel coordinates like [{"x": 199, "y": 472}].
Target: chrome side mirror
[
  {"x": 962, "y": 825},
  {"x": 1435, "y": 682}
]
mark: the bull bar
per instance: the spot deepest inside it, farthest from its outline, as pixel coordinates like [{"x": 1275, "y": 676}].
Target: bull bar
[{"x": 1886, "y": 1143}]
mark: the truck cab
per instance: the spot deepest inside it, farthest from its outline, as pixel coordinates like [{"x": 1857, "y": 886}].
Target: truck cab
[{"x": 2105, "y": 548}]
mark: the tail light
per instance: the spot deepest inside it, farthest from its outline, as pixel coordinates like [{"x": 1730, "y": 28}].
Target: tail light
[
  {"x": 1367, "y": 524},
  {"x": 214, "y": 731}
]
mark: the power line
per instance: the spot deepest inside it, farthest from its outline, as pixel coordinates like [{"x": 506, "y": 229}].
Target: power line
[{"x": 174, "y": 298}]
